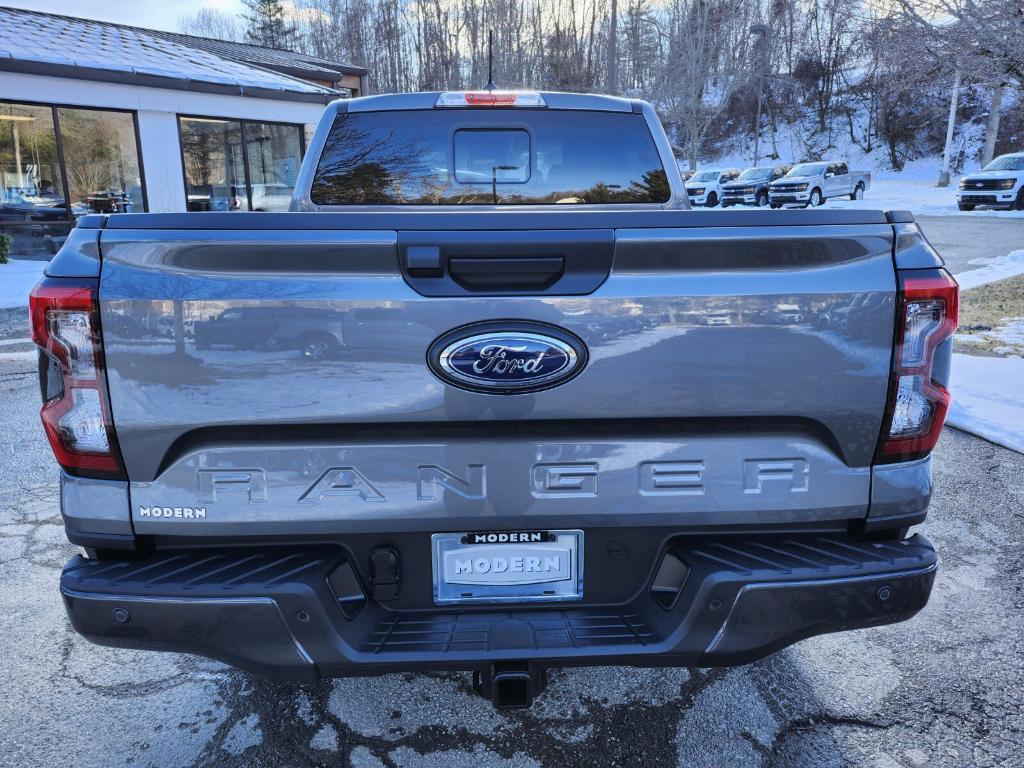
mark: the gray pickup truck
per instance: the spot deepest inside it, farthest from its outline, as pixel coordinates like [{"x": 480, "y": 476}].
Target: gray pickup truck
[
  {"x": 502, "y": 403},
  {"x": 808, "y": 185}
]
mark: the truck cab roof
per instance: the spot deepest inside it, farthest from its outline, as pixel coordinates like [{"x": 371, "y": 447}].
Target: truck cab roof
[{"x": 429, "y": 100}]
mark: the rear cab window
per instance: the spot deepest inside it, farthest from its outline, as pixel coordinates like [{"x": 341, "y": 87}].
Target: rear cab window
[{"x": 489, "y": 157}]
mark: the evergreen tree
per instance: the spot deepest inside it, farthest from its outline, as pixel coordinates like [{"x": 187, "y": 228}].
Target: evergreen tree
[{"x": 266, "y": 25}]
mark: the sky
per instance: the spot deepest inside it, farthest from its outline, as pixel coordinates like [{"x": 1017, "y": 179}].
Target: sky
[{"x": 152, "y": 14}]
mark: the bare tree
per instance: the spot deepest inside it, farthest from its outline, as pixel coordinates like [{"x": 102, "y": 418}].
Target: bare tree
[
  {"x": 989, "y": 34},
  {"x": 827, "y": 46},
  {"x": 209, "y": 22},
  {"x": 706, "y": 63},
  {"x": 834, "y": 72}
]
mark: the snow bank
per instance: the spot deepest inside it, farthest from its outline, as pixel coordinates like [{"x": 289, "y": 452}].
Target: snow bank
[
  {"x": 998, "y": 269},
  {"x": 17, "y": 278},
  {"x": 988, "y": 398}
]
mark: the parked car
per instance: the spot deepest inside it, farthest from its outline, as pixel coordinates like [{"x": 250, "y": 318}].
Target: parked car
[
  {"x": 1000, "y": 184},
  {"x": 271, "y": 197},
  {"x": 751, "y": 186},
  {"x": 811, "y": 184},
  {"x": 705, "y": 187},
  {"x": 315, "y": 333},
  {"x": 545, "y": 443},
  {"x": 216, "y": 197}
]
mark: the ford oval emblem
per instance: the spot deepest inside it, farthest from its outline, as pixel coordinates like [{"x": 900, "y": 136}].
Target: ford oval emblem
[{"x": 507, "y": 357}]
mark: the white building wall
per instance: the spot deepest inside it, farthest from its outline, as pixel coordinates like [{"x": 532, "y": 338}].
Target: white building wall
[
  {"x": 161, "y": 161},
  {"x": 158, "y": 111}
]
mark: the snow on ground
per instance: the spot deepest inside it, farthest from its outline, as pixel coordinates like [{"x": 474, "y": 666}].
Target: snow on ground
[
  {"x": 17, "y": 279},
  {"x": 1010, "y": 333},
  {"x": 988, "y": 398},
  {"x": 912, "y": 188},
  {"x": 921, "y": 197},
  {"x": 997, "y": 269},
  {"x": 988, "y": 392}
]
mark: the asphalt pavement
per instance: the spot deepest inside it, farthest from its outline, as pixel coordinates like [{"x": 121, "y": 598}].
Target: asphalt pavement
[
  {"x": 943, "y": 689},
  {"x": 965, "y": 239}
]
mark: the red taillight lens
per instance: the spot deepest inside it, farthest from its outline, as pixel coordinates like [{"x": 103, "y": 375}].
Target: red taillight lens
[
  {"x": 64, "y": 313},
  {"x": 490, "y": 99},
  {"x": 916, "y": 410}
]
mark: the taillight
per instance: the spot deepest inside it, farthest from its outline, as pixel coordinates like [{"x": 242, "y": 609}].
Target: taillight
[
  {"x": 64, "y": 314},
  {"x": 490, "y": 99},
  {"x": 918, "y": 401}
]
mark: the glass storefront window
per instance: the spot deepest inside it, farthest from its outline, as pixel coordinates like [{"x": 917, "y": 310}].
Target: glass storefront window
[
  {"x": 275, "y": 153},
  {"x": 101, "y": 160},
  {"x": 100, "y": 157},
  {"x": 223, "y": 175},
  {"x": 33, "y": 206},
  {"x": 213, "y": 158}
]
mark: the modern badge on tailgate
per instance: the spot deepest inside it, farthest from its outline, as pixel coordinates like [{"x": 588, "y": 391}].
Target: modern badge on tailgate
[{"x": 507, "y": 357}]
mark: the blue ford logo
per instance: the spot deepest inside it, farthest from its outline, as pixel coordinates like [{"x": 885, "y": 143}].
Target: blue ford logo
[{"x": 506, "y": 358}]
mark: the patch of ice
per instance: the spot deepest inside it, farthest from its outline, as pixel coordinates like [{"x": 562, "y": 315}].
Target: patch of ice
[
  {"x": 963, "y": 338},
  {"x": 1010, "y": 333},
  {"x": 244, "y": 734},
  {"x": 325, "y": 739}
]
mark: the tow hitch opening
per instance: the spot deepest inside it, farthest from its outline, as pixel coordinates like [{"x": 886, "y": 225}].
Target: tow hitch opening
[{"x": 510, "y": 685}]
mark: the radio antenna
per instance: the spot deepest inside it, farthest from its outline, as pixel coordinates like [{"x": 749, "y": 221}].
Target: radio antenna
[{"x": 490, "y": 62}]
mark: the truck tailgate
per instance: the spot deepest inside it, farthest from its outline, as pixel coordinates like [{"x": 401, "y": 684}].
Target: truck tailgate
[{"x": 276, "y": 379}]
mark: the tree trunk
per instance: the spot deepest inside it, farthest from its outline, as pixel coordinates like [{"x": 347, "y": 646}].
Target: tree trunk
[
  {"x": 992, "y": 127},
  {"x": 950, "y": 126},
  {"x": 613, "y": 53},
  {"x": 774, "y": 131}
]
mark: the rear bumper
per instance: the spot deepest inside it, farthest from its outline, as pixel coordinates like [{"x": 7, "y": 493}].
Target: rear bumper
[{"x": 274, "y": 612}]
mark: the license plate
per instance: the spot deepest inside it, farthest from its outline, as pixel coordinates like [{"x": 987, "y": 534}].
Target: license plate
[{"x": 507, "y": 566}]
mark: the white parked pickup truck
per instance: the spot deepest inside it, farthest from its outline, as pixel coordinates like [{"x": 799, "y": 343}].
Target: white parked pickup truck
[
  {"x": 999, "y": 184},
  {"x": 705, "y": 187},
  {"x": 811, "y": 184}
]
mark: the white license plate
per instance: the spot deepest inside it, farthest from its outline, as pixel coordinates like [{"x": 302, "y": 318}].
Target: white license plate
[{"x": 507, "y": 566}]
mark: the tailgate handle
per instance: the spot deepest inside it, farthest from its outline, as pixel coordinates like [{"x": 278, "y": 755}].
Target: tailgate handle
[{"x": 506, "y": 274}]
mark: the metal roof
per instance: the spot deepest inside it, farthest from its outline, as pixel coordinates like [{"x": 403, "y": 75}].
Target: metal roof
[
  {"x": 64, "y": 46},
  {"x": 290, "y": 62}
]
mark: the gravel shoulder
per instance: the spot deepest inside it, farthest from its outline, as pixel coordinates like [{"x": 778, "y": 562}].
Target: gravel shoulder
[{"x": 940, "y": 690}]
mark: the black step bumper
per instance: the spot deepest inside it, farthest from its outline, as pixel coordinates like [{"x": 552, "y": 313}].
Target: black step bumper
[{"x": 288, "y": 614}]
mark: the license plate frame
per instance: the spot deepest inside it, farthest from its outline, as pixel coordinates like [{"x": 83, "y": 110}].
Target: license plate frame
[{"x": 507, "y": 566}]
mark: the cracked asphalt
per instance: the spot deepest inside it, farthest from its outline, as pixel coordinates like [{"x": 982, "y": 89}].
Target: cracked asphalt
[{"x": 944, "y": 689}]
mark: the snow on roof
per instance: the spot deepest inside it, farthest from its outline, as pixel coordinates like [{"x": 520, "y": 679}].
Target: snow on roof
[
  {"x": 313, "y": 67},
  {"x": 44, "y": 43}
]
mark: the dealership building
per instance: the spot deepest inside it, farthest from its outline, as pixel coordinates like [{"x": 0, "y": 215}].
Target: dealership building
[{"x": 103, "y": 118}]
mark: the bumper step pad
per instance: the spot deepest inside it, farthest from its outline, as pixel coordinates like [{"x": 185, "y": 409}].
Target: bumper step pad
[{"x": 274, "y": 611}]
